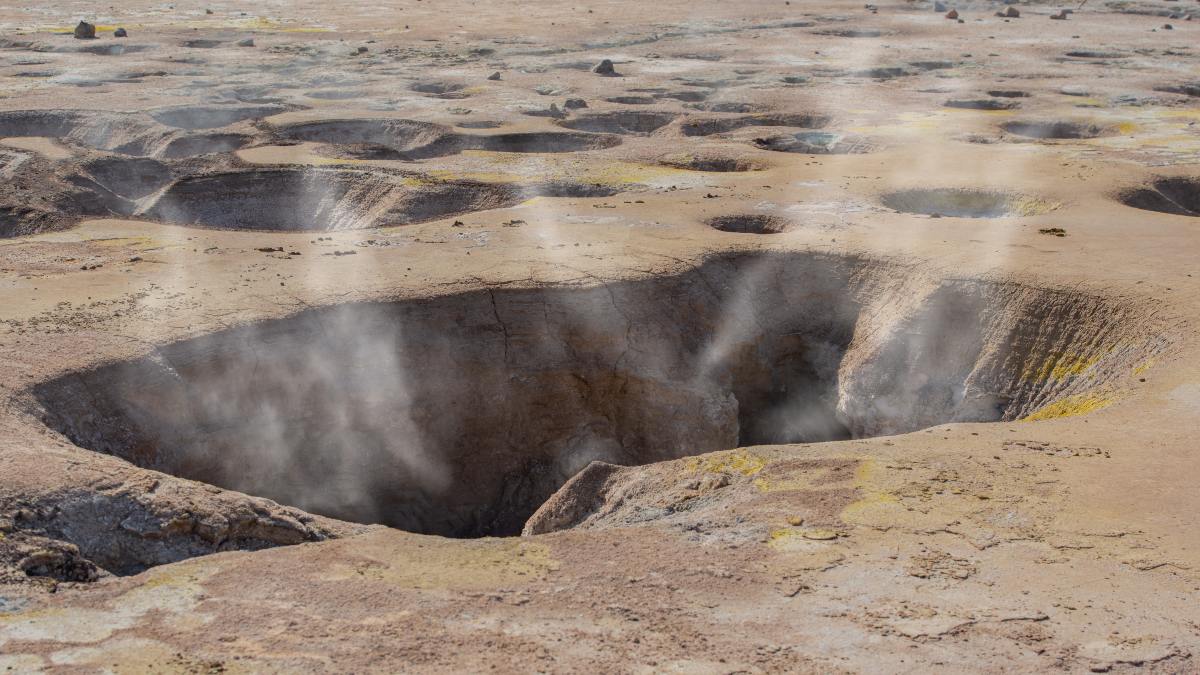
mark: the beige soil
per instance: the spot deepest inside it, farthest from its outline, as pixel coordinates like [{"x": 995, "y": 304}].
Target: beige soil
[{"x": 259, "y": 302}]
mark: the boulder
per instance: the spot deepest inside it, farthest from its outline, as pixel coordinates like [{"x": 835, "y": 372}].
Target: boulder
[{"x": 605, "y": 68}]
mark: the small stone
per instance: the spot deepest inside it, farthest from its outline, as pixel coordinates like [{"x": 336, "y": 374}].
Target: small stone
[
  {"x": 605, "y": 68},
  {"x": 120, "y": 32},
  {"x": 939, "y": 7},
  {"x": 952, "y": 14},
  {"x": 1167, "y": 26},
  {"x": 363, "y": 50},
  {"x": 1012, "y": 13},
  {"x": 494, "y": 76},
  {"x": 248, "y": 42},
  {"x": 85, "y": 31},
  {"x": 795, "y": 521},
  {"x": 1061, "y": 16},
  {"x": 208, "y": 11},
  {"x": 574, "y": 104}
]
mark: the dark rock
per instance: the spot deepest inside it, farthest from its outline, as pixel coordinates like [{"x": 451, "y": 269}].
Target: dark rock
[
  {"x": 952, "y": 14},
  {"x": 120, "y": 32},
  {"x": 605, "y": 68},
  {"x": 248, "y": 42},
  {"x": 85, "y": 31},
  {"x": 494, "y": 76},
  {"x": 574, "y": 104}
]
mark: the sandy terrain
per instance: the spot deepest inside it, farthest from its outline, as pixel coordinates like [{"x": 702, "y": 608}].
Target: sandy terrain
[{"x": 813, "y": 337}]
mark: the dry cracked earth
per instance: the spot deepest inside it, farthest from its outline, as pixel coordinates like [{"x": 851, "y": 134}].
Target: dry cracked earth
[{"x": 608, "y": 336}]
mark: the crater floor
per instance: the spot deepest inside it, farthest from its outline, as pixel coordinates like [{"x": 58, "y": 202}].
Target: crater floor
[{"x": 807, "y": 337}]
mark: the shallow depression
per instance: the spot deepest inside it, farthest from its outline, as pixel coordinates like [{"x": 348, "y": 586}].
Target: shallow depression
[{"x": 965, "y": 203}]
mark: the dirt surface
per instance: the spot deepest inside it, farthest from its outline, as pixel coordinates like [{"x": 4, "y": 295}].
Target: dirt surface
[{"x": 804, "y": 337}]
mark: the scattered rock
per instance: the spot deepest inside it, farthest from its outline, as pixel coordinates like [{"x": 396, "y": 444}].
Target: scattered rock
[
  {"x": 1010, "y": 13},
  {"x": 248, "y": 42},
  {"x": 85, "y": 31},
  {"x": 574, "y": 104},
  {"x": 120, "y": 33},
  {"x": 952, "y": 14},
  {"x": 62, "y": 562},
  {"x": 1167, "y": 26},
  {"x": 494, "y": 76},
  {"x": 1053, "y": 231},
  {"x": 1061, "y": 16},
  {"x": 605, "y": 68}
]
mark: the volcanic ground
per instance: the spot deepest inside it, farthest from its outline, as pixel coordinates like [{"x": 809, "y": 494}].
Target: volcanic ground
[{"x": 704, "y": 337}]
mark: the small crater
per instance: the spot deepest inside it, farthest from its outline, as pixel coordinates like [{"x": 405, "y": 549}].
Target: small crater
[
  {"x": 411, "y": 140},
  {"x": 540, "y": 141},
  {"x": 204, "y": 144},
  {"x": 982, "y": 104},
  {"x": 708, "y": 127},
  {"x": 816, "y": 143},
  {"x": 1008, "y": 93},
  {"x": 685, "y": 96},
  {"x": 627, "y": 122},
  {"x": 319, "y": 199},
  {"x": 631, "y": 100},
  {"x": 1186, "y": 88},
  {"x": 754, "y": 223},
  {"x": 1093, "y": 54},
  {"x": 479, "y": 124},
  {"x": 336, "y": 94},
  {"x": 131, "y": 178},
  {"x": 712, "y": 163},
  {"x": 851, "y": 32},
  {"x": 965, "y": 203},
  {"x": 440, "y": 89},
  {"x": 1058, "y": 129},
  {"x": 202, "y": 44},
  {"x": 1178, "y": 196}
]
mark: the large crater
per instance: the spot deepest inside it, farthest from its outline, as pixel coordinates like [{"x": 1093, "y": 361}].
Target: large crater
[{"x": 459, "y": 415}]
